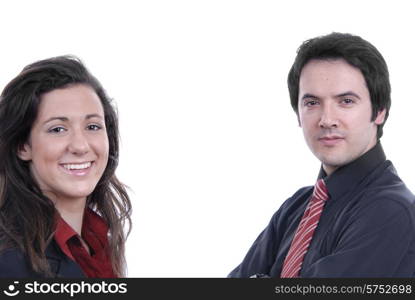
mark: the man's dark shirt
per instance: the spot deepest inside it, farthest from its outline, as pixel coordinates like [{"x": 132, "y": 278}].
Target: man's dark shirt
[{"x": 367, "y": 228}]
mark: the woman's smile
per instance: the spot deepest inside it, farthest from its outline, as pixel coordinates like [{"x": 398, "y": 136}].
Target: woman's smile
[
  {"x": 69, "y": 132},
  {"x": 77, "y": 169}
]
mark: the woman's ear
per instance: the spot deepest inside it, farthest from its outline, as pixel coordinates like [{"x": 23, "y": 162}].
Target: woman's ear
[{"x": 25, "y": 152}]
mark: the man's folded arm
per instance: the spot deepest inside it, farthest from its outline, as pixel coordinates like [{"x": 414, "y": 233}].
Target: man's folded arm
[
  {"x": 378, "y": 243},
  {"x": 261, "y": 255}
]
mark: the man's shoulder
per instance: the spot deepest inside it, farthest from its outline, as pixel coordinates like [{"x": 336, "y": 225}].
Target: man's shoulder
[
  {"x": 388, "y": 185},
  {"x": 304, "y": 191},
  {"x": 293, "y": 203},
  {"x": 300, "y": 196},
  {"x": 387, "y": 196}
]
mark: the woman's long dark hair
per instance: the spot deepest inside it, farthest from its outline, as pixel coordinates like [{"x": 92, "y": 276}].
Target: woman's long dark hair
[{"x": 27, "y": 217}]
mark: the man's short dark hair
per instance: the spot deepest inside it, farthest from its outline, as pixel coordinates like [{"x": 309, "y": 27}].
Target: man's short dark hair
[{"x": 358, "y": 53}]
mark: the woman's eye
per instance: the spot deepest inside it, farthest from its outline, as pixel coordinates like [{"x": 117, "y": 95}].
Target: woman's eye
[
  {"x": 93, "y": 127},
  {"x": 57, "y": 129}
]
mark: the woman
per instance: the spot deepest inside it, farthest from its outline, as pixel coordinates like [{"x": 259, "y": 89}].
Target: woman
[{"x": 62, "y": 209}]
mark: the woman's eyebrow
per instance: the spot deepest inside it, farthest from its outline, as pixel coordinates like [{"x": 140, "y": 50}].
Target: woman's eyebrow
[
  {"x": 63, "y": 119},
  {"x": 66, "y": 119},
  {"x": 94, "y": 116}
]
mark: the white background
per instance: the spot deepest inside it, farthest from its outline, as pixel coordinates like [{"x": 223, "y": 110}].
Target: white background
[{"x": 210, "y": 144}]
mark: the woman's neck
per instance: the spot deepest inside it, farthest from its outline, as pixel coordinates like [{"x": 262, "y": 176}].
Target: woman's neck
[{"x": 72, "y": 211}]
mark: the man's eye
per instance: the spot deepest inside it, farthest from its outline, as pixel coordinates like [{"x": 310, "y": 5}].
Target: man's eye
[
  {"x": 348, "y": 101},
  {"x": 311, "y": 103}
]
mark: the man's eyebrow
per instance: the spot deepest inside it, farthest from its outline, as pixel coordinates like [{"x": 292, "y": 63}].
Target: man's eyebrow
[
  {"x": 307, "y": 96},
  {"x": 349, "y": 93}
]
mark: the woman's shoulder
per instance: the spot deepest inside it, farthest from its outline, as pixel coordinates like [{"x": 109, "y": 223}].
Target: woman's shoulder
[
  {"x": 14, "y": 264},
  {"x": 10, "y": 255}
]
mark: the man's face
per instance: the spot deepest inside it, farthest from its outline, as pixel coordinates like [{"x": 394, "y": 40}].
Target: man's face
[{"x": 335, "y": 111}]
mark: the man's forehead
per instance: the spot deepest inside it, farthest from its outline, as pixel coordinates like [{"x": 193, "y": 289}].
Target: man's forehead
[{"x": 334, "y": 77}]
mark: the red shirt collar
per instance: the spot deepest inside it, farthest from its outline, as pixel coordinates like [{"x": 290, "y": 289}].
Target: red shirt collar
[{"x": 92, "y": 224}]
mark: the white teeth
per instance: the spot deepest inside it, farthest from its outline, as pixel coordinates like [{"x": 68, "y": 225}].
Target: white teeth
[{"x": 77, "y": 166}]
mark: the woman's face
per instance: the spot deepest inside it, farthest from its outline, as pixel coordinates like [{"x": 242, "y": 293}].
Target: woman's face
[{"x": 68, "y": 144}]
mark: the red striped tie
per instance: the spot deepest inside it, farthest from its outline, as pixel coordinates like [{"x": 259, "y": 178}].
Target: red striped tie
[{"x": 305, "y": 231}]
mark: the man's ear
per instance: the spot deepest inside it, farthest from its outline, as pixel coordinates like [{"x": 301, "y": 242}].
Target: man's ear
[
  {"x": 25, "y": 152},
  {"x": 380, "y": 118}
]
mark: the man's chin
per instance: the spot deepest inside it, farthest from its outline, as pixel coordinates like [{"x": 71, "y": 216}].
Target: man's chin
[
  {"x": 333, "y": 159},
  {"x": 333, "y": 163}
]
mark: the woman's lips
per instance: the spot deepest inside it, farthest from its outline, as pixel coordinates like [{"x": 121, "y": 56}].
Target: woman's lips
[{"x": 77, "y": 169}]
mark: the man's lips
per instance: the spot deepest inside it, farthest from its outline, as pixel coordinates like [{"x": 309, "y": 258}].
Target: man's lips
[{"x": 330, "y": 140}]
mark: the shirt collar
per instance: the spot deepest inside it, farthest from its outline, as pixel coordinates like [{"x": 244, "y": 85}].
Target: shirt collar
[
  {"x": 92, "y": 223},
  {"x": 64, "y": 232},
  {"x": 346, "y": 177}
]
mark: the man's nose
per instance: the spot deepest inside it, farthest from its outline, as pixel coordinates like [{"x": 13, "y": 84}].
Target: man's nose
[{"x": 328, "y": 117}]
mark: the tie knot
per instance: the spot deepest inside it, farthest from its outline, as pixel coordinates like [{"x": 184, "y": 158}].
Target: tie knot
[{"x": 320, "y": 190}]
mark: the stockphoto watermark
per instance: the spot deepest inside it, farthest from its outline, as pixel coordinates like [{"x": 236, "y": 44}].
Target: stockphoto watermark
[{"x": 64, "y": 288}]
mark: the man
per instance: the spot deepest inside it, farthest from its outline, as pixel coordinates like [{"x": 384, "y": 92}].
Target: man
[{"x": 359, "y": 219}]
